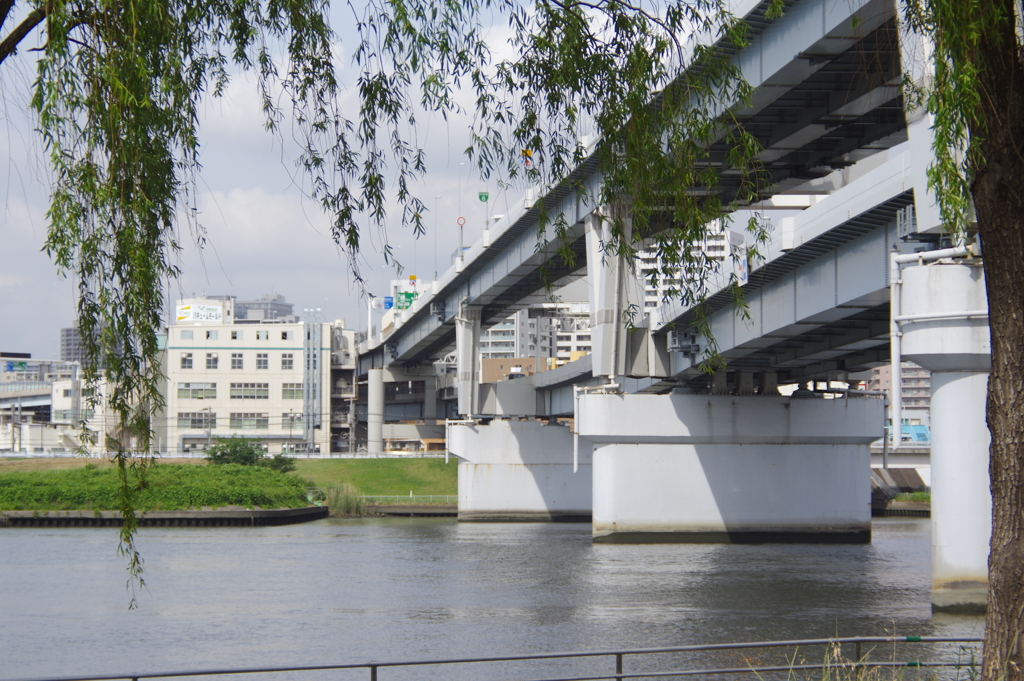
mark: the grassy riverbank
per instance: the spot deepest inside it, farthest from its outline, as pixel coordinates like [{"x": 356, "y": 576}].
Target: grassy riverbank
[
  {"x": 382, "y": 476},
  {"x": 364, "y": 476},
  {"x": 919, "y": 497},
  {"x": 169, "y": 488}
]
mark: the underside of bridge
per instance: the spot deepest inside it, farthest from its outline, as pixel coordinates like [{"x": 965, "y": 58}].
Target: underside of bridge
[
  {"x": 660, "y": 451},
  {"x": 830, "y": 105}
]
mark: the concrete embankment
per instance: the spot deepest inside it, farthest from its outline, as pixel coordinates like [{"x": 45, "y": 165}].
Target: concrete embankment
[
  {"x": 412, "y": 510},
  {"x": 220, "y": 517},
  {"x": 917, "y": 509}
]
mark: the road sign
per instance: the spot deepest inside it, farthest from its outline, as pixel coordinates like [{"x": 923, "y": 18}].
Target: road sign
[
  {"x": 404, "y": 300},
  {"x": 484, "y": 196},
  {"x": 389, "y": 302}
]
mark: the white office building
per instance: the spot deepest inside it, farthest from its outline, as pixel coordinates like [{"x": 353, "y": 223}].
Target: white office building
[{"x": 290, "y": 385}]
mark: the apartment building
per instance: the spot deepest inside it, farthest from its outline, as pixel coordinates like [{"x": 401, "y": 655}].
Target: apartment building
[
  {"x": 917, "y": 390},
  {"x": 670, "y": 281},
  {"x": 519, "y": 335},
  {"x": 71, "y": 349},
  {"x": 572, "y": 329}
]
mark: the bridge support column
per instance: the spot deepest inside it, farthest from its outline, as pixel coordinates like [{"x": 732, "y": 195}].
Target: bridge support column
[
  {"x": 611, "y": 292},
  {"x": 520, "y": 470},
  {"x": 955, "y": 347},
  {"x": 375, "y": 411},
  {"x": 720, "y": 468},
  {"x": 430, "y": 398},
  {"x": 467, "y": 358}
]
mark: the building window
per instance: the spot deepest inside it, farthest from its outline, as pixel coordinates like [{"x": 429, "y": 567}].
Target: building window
[
  {"x": 262, "y": 360},
  {"x": 287, "y": 361},
  {"x": 197, "y": 391},
  {"x": 291, "y": 391},
  {"x": 236, "y": 360},
  {"x": 583, "y": 338},
  {"x": 262, "y": 335},
  {"x": 211, "y": 335},
  {"x": 250, "y": 421},
  {"x": 186, "y": 334},
  {"x": 211, "y": 360},
  {"x": 287, "y": 335},
  {"x": 186, "y": 360},
  {"x": 197, "y": 420},
  {"x": 250, "y": 391},
  {"x": 236, "y": 335}
]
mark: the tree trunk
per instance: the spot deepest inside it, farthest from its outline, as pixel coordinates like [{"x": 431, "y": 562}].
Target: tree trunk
[{"x": 998, "y": 189}]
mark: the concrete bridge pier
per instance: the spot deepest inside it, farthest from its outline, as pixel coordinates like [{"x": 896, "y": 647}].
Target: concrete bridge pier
[
  {"x": 730, "y": 468},
  {"x": 521, "y": 470},
  {"x": 941, "y": 319},
  {"x": 375, "y": 411}
]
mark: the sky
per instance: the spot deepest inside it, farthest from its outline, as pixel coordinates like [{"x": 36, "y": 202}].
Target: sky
[{"x": 263, "y": 235}]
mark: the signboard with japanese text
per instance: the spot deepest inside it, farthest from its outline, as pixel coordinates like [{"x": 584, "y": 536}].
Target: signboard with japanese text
[{"x": 199, "y": 313}]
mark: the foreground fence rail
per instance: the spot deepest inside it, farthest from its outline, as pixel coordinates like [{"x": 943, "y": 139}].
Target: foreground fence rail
[{"x": 837, "y": 665}]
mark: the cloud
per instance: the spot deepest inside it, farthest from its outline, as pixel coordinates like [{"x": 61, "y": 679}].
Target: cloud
[
  {"x": 261, "y": 242},
  {"x": 262, "y": 233},
  {"x": 34, "y": 302}
]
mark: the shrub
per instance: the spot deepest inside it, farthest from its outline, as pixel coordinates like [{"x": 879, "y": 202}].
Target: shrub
[
  {"x": 279, "y": 463},
  {"x": 247, "y": 452},
  {"x": 240, "y": 450}
]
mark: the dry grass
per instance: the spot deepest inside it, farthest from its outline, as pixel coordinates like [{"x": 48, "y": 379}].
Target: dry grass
[{"x": 21, "y": 465}]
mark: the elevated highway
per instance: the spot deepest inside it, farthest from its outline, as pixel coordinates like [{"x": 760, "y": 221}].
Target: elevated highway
[
  {"x": 827, "y": 80},
  {"x": 636, "y": 435}
]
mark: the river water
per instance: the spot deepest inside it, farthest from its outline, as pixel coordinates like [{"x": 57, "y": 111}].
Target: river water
[{"x": 355, "y": 590}]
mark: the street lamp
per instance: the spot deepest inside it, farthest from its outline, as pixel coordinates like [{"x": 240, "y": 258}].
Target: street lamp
[{"x": 462, "y": 220}]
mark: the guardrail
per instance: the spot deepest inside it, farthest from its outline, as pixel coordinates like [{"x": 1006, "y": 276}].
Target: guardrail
[
  {"x": 411, "y": 499},
  {"x": 838, "y": 667}
]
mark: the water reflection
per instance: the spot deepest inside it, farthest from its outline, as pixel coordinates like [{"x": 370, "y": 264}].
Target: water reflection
[{"x": 344, "y": 590}]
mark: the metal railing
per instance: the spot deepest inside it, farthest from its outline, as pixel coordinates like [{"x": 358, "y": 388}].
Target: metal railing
[
  {"x": 411, "y": 499},
  {"x": 838, "y": 666}
]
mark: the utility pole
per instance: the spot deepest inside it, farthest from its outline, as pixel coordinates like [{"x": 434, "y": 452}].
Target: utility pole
[{"x": 206, "y": 422}]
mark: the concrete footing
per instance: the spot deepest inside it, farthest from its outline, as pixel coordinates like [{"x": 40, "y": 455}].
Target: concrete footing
[
  {"x": 521, "y": 470},
  {"x": 716, "y": 468}
]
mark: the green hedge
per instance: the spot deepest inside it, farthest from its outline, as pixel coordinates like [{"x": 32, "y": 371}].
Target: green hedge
[{"x": 170, "y": 488}]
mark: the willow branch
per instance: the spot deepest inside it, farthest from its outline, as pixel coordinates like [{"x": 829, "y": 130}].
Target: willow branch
[
  {"x": 10, "y": 44},
  {"x": 5, "y": 10}
]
